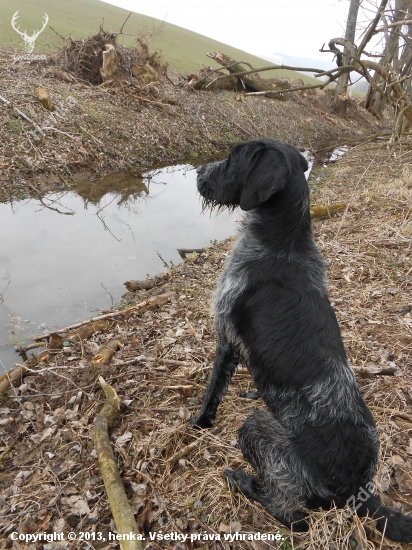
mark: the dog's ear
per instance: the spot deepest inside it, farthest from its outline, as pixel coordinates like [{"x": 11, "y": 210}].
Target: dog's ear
[
  {"x": 267, "y": 174},
  {"x": 303, "y": 163}
]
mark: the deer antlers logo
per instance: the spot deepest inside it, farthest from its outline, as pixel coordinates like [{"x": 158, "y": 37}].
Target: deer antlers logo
[{"x": 29, "y": 41}]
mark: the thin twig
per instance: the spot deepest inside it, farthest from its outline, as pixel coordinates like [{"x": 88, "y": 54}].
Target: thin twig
[{"x": 20, "y": 113}]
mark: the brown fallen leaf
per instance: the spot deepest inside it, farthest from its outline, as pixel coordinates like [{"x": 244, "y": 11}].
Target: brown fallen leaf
[
  {"x": 232, "y": 527},
  {"x": 404, "y": 481}
]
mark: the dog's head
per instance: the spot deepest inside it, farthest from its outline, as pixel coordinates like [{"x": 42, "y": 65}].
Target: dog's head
[{"x": 254, "y": 173}]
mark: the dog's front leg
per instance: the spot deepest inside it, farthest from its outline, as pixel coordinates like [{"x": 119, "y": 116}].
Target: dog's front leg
[{"x": 223, "y": 369}]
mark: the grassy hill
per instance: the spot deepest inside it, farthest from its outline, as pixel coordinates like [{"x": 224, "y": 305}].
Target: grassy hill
[{"x": 183, "y": 49}]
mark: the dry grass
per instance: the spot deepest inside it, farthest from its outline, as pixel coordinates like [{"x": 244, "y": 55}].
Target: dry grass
[{"x": 51, "y": 474}]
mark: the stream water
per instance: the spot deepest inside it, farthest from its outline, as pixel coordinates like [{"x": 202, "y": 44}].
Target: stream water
[{"x": 61, "y": 256}]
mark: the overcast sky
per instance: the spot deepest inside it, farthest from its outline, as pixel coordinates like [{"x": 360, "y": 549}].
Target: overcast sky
[{"x": 293, "y": 27}]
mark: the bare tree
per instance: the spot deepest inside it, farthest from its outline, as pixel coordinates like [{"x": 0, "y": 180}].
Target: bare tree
[
  {"x": 388, "y": 71},
  {"x": 391, "y": 58}
]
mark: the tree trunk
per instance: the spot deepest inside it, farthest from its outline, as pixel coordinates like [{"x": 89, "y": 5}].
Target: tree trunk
[
  {"x": 343, "y": 81},
  {"x": 405, "y": 61},
  {"x": 375, "y": 101}
]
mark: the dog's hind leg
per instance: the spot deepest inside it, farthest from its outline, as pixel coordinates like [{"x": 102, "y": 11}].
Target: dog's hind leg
[
  {"x": 280, "y": 482},
  {"x": 223, "y": 368},
  {"x": 253, "y": 489}
]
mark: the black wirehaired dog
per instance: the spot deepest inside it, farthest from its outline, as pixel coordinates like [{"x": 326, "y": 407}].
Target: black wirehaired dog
[{"x": 317, "y": 443}]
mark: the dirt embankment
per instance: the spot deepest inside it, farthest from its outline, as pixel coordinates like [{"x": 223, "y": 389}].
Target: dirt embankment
[
  {"x": 51, "y": 479},
  {"x": 120, "y": 127}
]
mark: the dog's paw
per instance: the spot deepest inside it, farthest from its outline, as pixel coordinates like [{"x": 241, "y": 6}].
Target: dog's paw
[
  {"x": 200, "y": 422},
  {"x": 238, "y": 479},
  {"x": 252, "y": 394},
  {"x": 230, "y": 478}
]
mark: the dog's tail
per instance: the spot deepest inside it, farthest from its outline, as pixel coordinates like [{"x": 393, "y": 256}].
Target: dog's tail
[{"x": 394, "y": 525}]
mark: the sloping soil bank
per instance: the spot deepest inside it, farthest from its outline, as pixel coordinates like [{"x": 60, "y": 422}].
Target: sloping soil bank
[
  {"x": 51, "y": 479},
  {"x": 98, "y": 129}
]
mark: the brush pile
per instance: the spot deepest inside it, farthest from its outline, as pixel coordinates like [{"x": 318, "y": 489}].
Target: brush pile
[{"x": 85, "y": 58}]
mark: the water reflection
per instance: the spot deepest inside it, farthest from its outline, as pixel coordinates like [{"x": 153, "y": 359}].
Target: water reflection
[
  {"x": 59, "y": 252},
  {"x": 128, "y": 188}
]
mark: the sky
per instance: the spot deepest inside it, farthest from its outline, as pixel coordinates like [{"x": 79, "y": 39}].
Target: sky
[{"x": 293, "y": 27}]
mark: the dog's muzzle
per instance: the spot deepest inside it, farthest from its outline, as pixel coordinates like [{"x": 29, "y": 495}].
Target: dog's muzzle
[{"x": 205, "y": 170}]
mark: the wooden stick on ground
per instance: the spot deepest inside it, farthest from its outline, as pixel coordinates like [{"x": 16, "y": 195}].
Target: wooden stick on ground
[
  {"x": 185, "y": 450},
  {"x": 325, "y": 211},
  {"x": 10, "y": 378},
  {"x": 174, "y": 362},
  {"x": 374, "y": 371},
  {"x": 119, "y": 505},
  {"x": 392, "y": 412},
  {"x": 105, "y": 352}
]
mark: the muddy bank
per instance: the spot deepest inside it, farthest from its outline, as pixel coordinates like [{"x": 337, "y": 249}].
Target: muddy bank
[
  {"x": 99, "y": 129},
  {"x": 51, "y": 479}
]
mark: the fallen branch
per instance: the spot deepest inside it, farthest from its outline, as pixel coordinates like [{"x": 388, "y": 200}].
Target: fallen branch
[
  {"x": 250, "y": 79},
  {"x": 151, "y": 303},
  {"x": 291, "y": 90},
  {"x": 105, "y": 352},
  {"x": 23, "y": 349},
  {"x": 325, "y": 211},
  {"x": 403, "y": 425},
  {"x": 186, "y": 450},
  {"x": 10, "y": 378},
  {"x": 174, "y": 362},
  {"x": 20, "y": 371},
  {"x": 374, "y": 371},
  {"x": 116, "y": 495},
  {"x": 392, "y": 412},
  {"x": 52, "y": 129},
  {"x": 87, "y": 330},
  {"x": 183, "y": 452}
]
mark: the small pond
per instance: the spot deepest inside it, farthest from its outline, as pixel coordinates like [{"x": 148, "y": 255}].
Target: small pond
[{"x": 64, "y": 254}]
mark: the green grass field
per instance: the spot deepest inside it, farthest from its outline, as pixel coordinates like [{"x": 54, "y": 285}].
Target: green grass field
[{"x": 183, "y": 49}]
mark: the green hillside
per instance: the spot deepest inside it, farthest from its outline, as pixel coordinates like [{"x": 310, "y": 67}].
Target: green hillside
[{"x": 183, "y": 49}]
